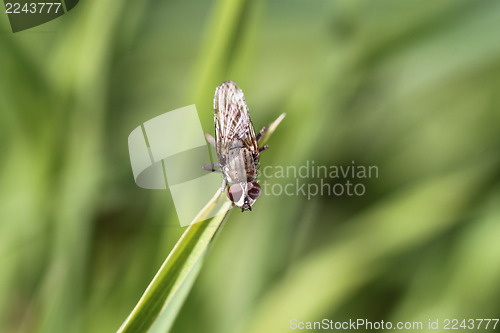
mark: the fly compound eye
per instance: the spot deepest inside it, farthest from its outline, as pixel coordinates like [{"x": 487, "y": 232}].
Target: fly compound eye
[
  {"x": 253, "y": 190},
  {"x": 234, "y": 192}
]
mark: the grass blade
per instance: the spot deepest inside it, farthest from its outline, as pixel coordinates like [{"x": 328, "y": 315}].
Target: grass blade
[
  {"x": 163, "y": 298},
  {"x": 180, "y": 267}
]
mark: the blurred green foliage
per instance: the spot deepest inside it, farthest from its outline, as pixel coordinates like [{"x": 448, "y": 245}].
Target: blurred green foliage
[{"x": 409, "y": 86}]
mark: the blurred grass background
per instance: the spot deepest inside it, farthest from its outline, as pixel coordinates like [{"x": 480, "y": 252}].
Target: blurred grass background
[{"x": 409, "y": 86}]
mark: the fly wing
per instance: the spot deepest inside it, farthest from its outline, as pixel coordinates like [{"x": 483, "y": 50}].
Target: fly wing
[{"x": 233, "y": 127}]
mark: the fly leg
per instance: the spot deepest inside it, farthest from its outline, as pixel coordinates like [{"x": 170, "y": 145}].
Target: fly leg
[
  {"x": 223, "y": 185},
  {"x": 259, "y": 137},
  {"x": 210, "y": 139},
  {"x": 272, "y": 126},
  {"x": 214, "y": 167},
  {"x": 261, "y": 134}
]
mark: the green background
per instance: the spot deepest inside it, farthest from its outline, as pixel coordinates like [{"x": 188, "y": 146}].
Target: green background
[{"x": 412, "y": 87}]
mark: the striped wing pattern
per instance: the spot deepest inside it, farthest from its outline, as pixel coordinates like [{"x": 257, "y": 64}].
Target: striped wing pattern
[{"x": 233, "y": 126}]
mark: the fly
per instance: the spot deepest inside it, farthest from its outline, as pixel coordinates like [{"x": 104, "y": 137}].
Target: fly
[{"x": 237, "y": 146}]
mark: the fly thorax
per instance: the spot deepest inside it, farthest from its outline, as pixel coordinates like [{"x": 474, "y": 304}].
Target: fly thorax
[{"x": 235, "y": 168}]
